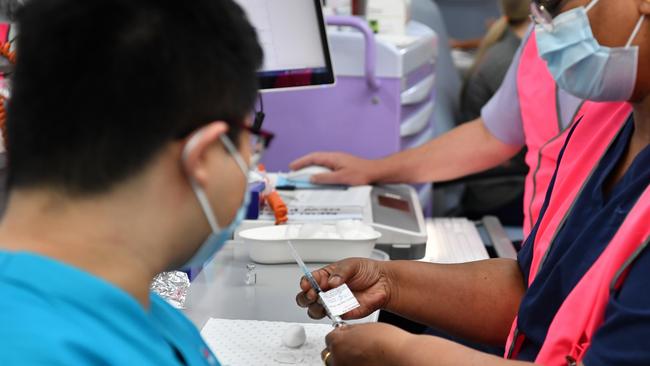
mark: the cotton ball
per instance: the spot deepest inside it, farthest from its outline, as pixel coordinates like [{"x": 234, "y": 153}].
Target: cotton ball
[
  {"x": 367, "y": 231},
  {"x": 347, "y": 225},
  {"x": 294, "y": 336},
  {"x": 354, "y": 230},
  {"x": 310, "y": 231},
  {"x": 346, "y": 228}
]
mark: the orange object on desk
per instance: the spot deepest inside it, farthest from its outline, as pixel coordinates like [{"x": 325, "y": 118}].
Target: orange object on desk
[
  {"x": 275, "y": 202},
  {"x": 278, "y": 207}
]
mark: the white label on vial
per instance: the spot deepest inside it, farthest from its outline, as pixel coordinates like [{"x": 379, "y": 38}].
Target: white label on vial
[{"x": 340, "y": 300}]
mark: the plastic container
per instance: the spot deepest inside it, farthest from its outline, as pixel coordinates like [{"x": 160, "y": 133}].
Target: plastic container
[{"x": 269, "y": 245}]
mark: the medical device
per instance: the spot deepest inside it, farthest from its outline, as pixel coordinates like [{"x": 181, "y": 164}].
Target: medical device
[
  {"x": 312, "y": 281},
  {"x": 294, "y": 40}
]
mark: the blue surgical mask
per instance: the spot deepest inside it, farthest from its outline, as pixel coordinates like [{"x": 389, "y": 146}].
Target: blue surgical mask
[
  {"x": 583, "y": 67},
  {"x": 219, "y": 236}
]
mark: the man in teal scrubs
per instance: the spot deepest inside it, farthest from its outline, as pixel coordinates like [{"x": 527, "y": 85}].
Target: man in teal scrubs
[{"x": 128, "y": 145}]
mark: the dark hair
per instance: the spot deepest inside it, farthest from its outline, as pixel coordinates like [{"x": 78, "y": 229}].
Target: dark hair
[
  {"x": 517, "y": 11},
  {"x": 101, "y": 86},
  {"x": 8, "y": 8}
]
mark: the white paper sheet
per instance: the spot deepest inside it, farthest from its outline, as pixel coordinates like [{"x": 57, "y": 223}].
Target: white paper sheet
[
  {"x": 250, "y": 342},
  {"x": 324, "y": 205},
  {"x": 340, "y": 300}
]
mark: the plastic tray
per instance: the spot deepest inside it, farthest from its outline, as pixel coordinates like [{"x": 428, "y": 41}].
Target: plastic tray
[{"x": 269, "y": 245}]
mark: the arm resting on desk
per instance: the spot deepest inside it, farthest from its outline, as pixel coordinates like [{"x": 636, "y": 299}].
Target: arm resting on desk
[
  {"x": 467, "y": 149},
  {"x": 477, "y": 300},
  {"x": 381, "y": 344}
]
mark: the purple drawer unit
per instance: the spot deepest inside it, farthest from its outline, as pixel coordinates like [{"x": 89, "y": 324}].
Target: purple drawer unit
[{"x": 382, "y": 103}]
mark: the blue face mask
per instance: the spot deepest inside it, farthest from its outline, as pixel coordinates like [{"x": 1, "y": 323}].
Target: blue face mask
[
  {"x": 219, "y": 236},
  {"x": 583, "y": 67}
]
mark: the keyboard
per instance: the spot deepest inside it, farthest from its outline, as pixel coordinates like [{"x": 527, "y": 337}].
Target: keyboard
[{"x": 453, "y": 240}]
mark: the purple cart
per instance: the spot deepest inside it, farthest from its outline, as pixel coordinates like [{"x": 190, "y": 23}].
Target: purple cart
[{"x": 382, "y": 103}]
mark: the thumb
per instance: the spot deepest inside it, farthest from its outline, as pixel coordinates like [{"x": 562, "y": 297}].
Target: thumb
[
  {"x": 342, "y": 272},
  {"x": 337, "y": 177}
]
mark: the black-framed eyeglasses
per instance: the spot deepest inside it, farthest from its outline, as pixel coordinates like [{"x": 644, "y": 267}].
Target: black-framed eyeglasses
[
  {"x": 540, "y": 15},
  {"x": 260, "y": 141}
]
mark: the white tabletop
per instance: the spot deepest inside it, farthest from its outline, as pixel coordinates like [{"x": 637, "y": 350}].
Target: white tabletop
[{"x": 220, "y": 290}]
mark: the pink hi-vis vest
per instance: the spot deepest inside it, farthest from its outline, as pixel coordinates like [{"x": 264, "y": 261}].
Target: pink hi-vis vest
[
  {"x": 4, "y": 32},
  {"x": 582, "y": 312},
  {"x": 542, "y": 125},
  {"x": 4, "y": 37}
]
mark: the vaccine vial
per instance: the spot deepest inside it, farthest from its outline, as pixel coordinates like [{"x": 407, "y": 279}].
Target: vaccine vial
[{"x": 251, "y": 275}]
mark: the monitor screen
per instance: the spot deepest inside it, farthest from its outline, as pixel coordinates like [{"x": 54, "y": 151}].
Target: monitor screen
[{"x": 294, "y": 39}]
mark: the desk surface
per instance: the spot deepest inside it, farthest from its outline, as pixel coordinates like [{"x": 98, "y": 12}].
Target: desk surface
[{"x": 220, "y": 290}]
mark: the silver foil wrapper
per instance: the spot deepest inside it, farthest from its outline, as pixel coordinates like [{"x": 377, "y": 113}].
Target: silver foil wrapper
[{"x": 173, "y": 287}]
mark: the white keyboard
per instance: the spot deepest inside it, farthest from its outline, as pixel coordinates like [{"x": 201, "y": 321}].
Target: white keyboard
[{"x": 453, "y": 240}]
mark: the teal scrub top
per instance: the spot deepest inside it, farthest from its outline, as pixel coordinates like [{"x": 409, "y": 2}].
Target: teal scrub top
[{"x": 55, "y": 314}]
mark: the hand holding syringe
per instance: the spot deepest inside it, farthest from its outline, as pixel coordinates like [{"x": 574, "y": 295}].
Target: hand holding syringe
[{"x": 335, "y": 318}]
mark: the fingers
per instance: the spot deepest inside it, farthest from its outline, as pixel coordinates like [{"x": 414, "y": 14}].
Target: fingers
[
  {"x": 326, "y": 356},
  {"x": 319, "y": 158},
  {"x": 645, "y": 8},
  {"x": 329, "y": 277},
  {"x": 337, "y": 177},
  {"x": 308, "y": 295},
  {"x": 342, "y": 272},
  {"x": 321, "y": 276},
  {"x": 302, "y": 300},
  {"x": 334, "y": 337},
  {"x": 316, "y": 311}
]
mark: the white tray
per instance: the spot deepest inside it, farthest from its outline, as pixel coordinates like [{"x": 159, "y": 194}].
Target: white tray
[{"x": 269, "y": 245}]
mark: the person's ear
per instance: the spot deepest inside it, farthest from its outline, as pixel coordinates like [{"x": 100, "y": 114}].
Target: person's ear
[{"x": 196, "y": 149}]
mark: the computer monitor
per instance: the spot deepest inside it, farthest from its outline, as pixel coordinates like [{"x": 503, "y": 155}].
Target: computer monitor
[{"x": 294, "y": 39}]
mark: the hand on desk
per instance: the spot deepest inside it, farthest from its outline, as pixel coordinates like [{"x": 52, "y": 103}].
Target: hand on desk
[
  {"x": 346, "y": 169},
  {"x": 367, "y": 279}
]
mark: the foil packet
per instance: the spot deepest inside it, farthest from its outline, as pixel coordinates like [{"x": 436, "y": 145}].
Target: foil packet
[{"x": 173, "y": 287}]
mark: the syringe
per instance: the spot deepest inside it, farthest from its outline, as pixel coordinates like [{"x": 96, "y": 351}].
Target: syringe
[{"x": 338, "y": 321}]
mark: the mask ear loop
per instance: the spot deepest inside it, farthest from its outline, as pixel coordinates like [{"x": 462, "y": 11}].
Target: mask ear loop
[
  {"x": 201, "y": 196},
  {"x": 591, "y": 5},
  {"x": 636, "y": 31},
  {"x": 232, "y": 150}
]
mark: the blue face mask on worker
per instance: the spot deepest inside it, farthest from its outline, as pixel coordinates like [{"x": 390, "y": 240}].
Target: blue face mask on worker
[
  {"x": 219, "y": 235},
  {"x": 583, "y": 67}
]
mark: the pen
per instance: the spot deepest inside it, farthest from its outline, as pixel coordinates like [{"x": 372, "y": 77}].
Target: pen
[{"x": 315, "y": 188}]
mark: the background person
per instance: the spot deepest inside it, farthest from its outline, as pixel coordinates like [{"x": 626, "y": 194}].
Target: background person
[{"x": 498, "y": 191}]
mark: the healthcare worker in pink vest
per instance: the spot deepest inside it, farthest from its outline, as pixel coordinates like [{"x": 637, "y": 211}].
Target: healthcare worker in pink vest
[
  {"x": 511, "y": 120},
  {"x": 527, "y": 110},
  {"x": 579, "y": 292}
]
